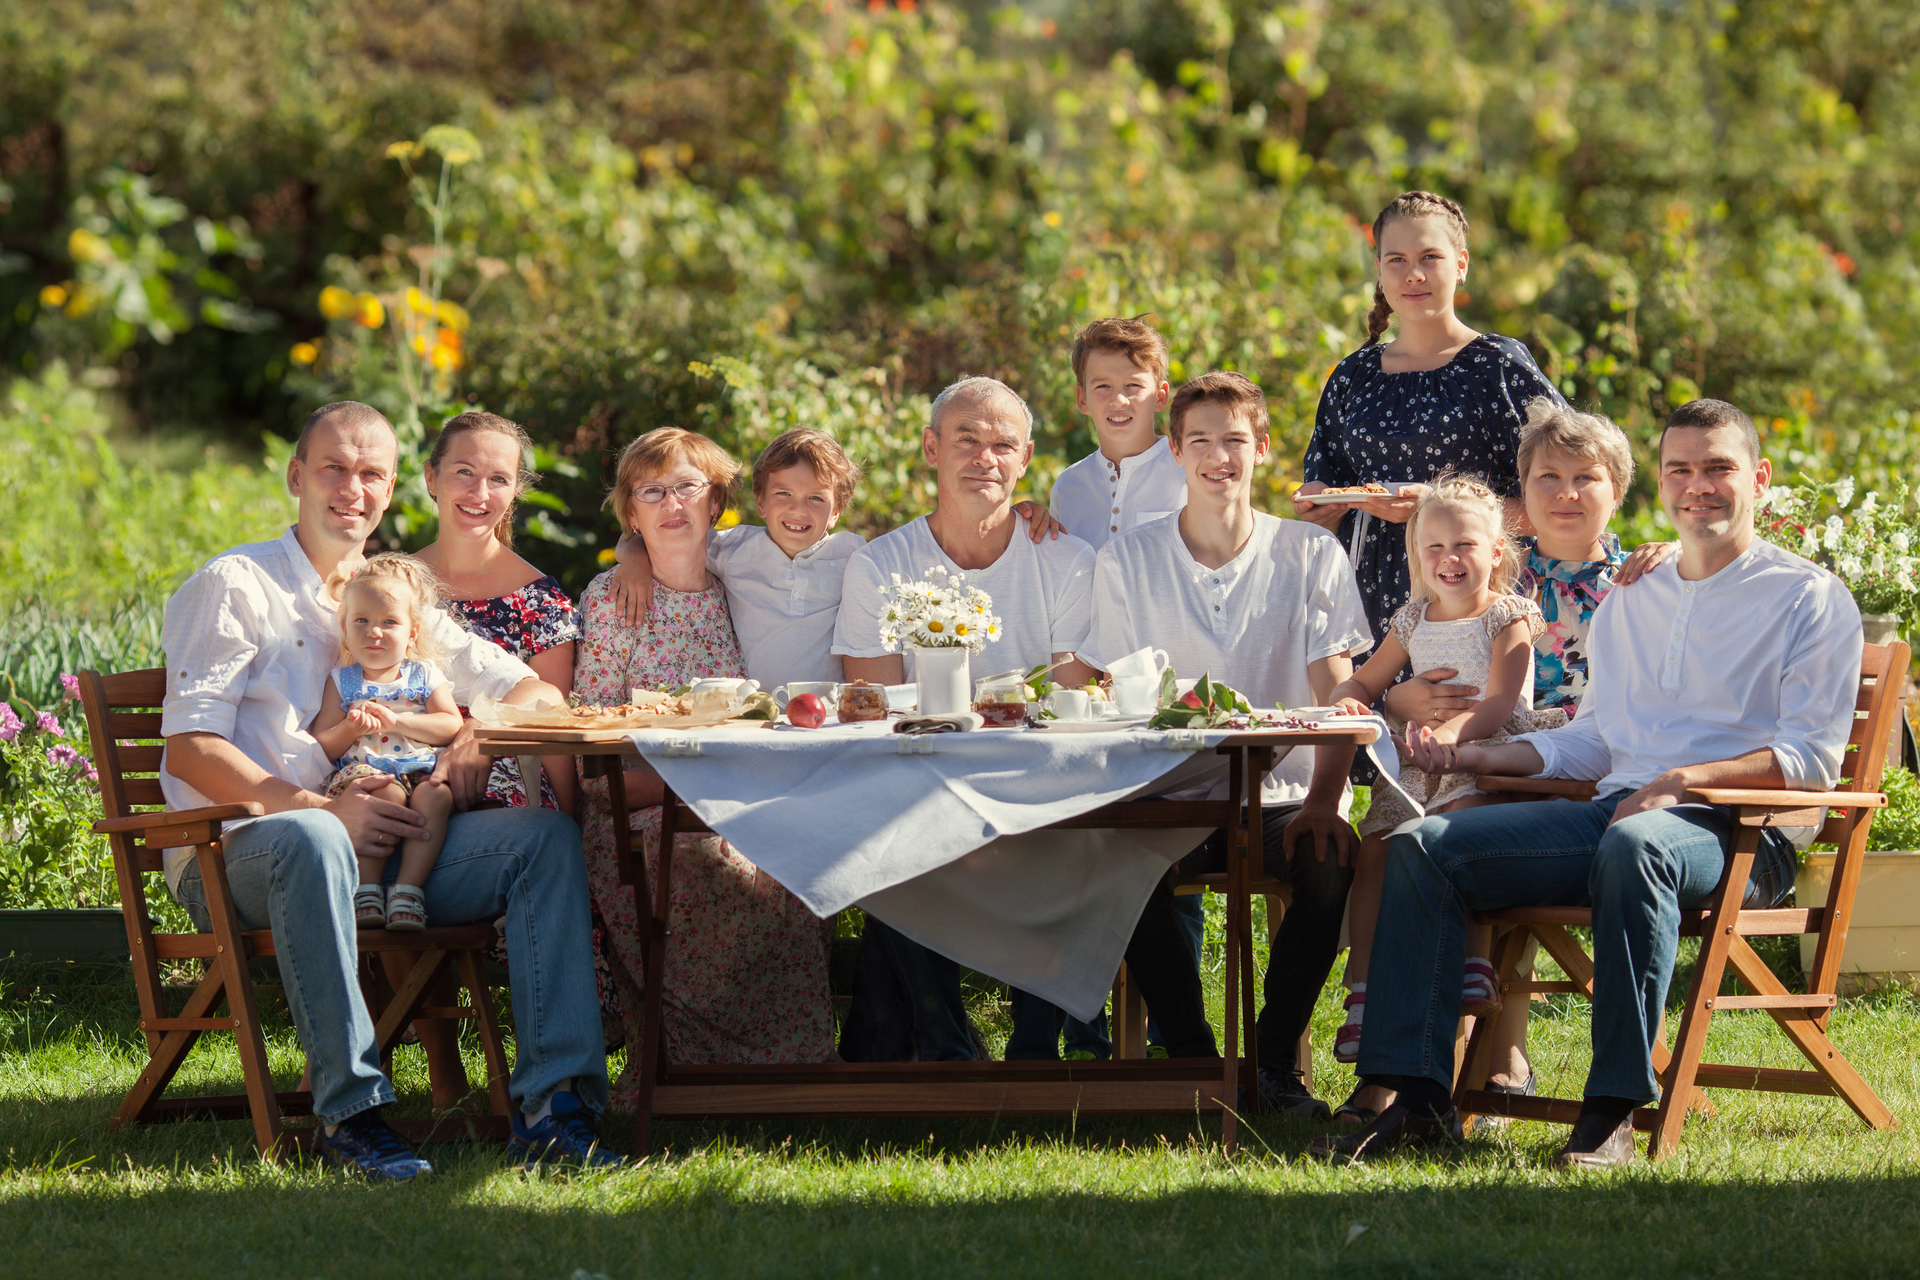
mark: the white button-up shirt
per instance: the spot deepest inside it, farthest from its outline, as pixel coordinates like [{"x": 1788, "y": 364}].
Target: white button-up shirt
[
  {"x": 1765, "y": 653},
  {"x": 1288, "y": 599},
  {"x": 1042, "y": 592},
  {"x": 784, "y": 609},
  {"x": 250, "y": 646},
  {"x": 1098, "y": 498}
]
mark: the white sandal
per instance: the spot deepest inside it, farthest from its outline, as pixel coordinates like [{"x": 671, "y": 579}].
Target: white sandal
[
  {"x": 406, "y": 908},
  {"x": 369, "y": 907}
]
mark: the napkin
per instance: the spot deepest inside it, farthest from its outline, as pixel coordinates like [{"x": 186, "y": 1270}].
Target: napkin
[{"x": 951, "y": 722}]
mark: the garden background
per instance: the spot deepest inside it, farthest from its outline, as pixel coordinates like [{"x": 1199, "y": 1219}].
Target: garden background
[{"x": 603, "y": 216}]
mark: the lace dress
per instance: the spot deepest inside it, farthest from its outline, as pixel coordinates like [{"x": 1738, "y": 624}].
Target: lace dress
[
  {"x": 1466, "y": 645},
  {"x": 746, "y": 968}
]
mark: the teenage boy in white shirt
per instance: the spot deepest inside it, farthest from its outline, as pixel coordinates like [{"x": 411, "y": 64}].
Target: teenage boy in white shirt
[
  {"x": 1120, "y": 382},
  {"x": 1270, "y": 607},
  {"x": 1734, "y": 664}
]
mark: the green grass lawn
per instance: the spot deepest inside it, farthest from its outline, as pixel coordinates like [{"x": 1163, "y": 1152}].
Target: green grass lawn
[{"x": 1771, "y": 1185}]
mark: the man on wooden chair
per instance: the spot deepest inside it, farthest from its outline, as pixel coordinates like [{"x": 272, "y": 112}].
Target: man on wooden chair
[
  {"x": 1732, "y": 665},
  {"x": 249, "y": 643}
]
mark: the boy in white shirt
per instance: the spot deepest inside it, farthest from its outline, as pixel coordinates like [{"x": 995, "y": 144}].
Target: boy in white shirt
[
  {"x": 783, "y": 579},
  {"x": 1120, "y": 381}
]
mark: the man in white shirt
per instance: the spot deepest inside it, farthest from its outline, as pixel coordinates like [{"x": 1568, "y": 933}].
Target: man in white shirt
[
  {"x": 249, "y": 642},
  {"x": 1734, "y": 664},
  {"x": 1120, "y": 382},
  {"x": 1270, "y": 607},
  {"x": 906, "y": 999}
]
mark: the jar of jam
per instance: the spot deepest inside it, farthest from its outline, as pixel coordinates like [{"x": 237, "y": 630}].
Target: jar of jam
[
  {"x": 1001, "y": 700},
  {"x": 862, "y": 701}
]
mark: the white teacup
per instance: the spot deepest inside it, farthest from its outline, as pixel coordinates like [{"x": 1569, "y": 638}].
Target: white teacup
[
  {"x": 734, "y": 688},
  {"x": 1136, "y": 695},
  {"x": 826, "y": 690},
  {"x": 1141, "y": 662},
  {"x": 1070, "y": 704}
]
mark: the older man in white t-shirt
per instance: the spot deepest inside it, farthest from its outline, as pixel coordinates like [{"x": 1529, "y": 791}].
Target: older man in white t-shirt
[
  {"x": 906, "y": 999},
  {"x": 1270, "y": 607}
]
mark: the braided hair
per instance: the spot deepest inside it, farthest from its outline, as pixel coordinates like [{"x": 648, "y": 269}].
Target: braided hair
[{"x": 1407, "y": 205}]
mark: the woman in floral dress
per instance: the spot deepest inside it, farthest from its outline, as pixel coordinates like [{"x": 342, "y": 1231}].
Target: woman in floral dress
[{"x": 746, "y": 963}]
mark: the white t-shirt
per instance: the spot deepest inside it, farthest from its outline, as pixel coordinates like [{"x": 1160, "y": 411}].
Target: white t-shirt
[
  {"x": 250, "y": 646},
  {"x": 1098, "y": 499},
  {"x": 1289, "y": 598},
  {"x": 783, "y": 609},
  {"x": 1042, "y": 593}
]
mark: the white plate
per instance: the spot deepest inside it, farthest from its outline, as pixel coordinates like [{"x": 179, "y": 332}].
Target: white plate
[
  {"x": 1324, "y": 499},
  {"x": 1097, "y": 724}
]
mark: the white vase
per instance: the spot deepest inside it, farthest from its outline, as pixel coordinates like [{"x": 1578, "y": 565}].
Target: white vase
[
  {"x": 941, "y": 675},
  {"x": 1880, "y": 628}
]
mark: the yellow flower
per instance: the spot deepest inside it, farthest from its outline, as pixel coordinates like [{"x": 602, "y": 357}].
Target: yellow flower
[
  {"x": 960, "y": 628},
  {"x": 85, "y": 246},
  {"x": 303, "y": 353},
  {"x": 606, "y": 555},
  {"x": 402, "y": 150},
  {"x": 729, "y": 518},
  {"x": 452, "y": 315},
  {"x": 1051, "y": 217},
  {"x": 337, "y": 303},
  {"x": 443, "y": 357},
  {"x": 372, "y": 314},
  {"x": 53, "y": 296},
  {"x": 936, "y": 626},
  {"x": 418, "y": 304}
]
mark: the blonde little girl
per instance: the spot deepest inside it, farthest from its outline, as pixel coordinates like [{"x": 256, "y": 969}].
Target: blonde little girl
[
  {"x": 383, "y": 714},
  {"x": 1463, "y": 615}
]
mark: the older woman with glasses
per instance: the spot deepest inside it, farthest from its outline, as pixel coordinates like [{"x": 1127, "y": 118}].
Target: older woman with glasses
[{"x": 746, "y": 970}]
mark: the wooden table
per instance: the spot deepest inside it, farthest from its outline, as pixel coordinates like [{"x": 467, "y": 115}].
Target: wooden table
[{"x": 840, "y": 1090}]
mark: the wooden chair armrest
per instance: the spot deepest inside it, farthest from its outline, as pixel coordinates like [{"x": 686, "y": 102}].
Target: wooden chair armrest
[
  {"x": 1568, "y": 787},
  {"x": 1743, "y": 799},
  {"x": 139, "y": 823}
]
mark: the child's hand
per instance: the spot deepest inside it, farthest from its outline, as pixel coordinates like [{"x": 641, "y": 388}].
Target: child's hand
[
  {"x": 360, "y": 715},
  {"x": 1351, "y": 707},
  {"x": 1040, "y": 521},
  {"x": 631, "y": 590},
  {"x": 1432, "y": 754},
  {"x": 1646, "y": 557}
]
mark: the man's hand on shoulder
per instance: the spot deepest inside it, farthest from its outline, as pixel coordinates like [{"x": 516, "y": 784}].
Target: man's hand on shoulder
[
  {"x": 375, "y": 826},
  {"x": 1322, "y": 827}
]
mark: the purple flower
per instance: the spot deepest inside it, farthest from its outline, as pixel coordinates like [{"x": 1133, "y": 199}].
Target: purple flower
[
  {"x": 47, "y": 724},
  {"x": 9, "y": 723},
  {"x": 65, "y": 756},
  {"x": 70, "y": 688}
]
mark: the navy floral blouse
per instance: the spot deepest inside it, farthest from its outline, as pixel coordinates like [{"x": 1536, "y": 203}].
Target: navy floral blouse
[
  {"x": 1378, "y": 427},
  {"x": 532, "y": 620}
]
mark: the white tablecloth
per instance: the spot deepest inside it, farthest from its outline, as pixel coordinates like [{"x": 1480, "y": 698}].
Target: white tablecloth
[{"x": 939, "y": 835}]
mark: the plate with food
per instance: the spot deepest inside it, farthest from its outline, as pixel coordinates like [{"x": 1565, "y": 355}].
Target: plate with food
[
  {"x": 694, "y": 708},
  {"x": 1355, "y": 492},
  {"x": 1094, "y": 724}
]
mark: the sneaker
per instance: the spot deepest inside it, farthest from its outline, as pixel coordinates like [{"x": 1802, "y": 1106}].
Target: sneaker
[
  {"x": 364, "y": 1144},
  {"x": 1287, "y": 1093},
  {"x": 569, "y": 1135}
]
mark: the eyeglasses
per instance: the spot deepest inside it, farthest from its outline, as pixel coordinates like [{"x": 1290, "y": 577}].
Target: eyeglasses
[{"x": 686, "y": 491}]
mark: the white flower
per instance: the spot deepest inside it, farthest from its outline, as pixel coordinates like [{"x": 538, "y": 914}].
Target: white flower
[
  {"x": 1843, "y": 491},
  {"x": 1809, "y": 544},
  {"x": 1869, "y": 502},
  {"x": 1835, "y": 527},
  {"x": 1849, "y": 566},
  {"x": 1780, "y": 498},
  {"x": 1900, "y": 541},
  {"x": 1879, "y": 562}
]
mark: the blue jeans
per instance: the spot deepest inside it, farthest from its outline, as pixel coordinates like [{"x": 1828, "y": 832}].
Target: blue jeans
[
  {"x": 294, "y": 873},
  {"x": 1636, "y": 875}
]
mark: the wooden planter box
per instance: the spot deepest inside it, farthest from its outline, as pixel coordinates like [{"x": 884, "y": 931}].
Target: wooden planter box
[
  {"x": 86, "y": 935},
  {"x": 1883, "y": 942}
]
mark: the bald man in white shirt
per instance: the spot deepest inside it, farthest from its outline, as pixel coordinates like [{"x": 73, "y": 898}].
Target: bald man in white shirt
[{"x": 1734, "y": 664}]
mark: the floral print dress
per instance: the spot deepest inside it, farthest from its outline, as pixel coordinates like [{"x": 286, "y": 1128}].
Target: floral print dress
[
  {"x": 538, "y": 617},
  {"x": 1379, "y": 427},
  {"x": 1567, "y": 591},
  {"x": 746, "y": 966}
]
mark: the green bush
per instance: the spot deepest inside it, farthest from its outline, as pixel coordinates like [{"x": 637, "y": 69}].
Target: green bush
[{"x": 1897, "y": 827}]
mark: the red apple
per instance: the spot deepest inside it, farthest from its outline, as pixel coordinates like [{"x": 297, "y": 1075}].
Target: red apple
[
  {"x": 807, "y": 710},
  {"x": 1192, "y": 699}
]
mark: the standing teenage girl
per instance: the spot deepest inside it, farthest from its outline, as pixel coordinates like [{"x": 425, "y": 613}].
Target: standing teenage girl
[{"x": 1440, "y": 396}]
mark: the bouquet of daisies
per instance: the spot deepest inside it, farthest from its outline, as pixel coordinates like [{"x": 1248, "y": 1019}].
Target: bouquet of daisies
[{"x": 938, "y": 612}]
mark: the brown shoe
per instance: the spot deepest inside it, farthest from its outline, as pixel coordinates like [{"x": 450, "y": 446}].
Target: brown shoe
[
  {"x": 1396, "y": 1128},
  {"x": 1594, "y": 1144}
]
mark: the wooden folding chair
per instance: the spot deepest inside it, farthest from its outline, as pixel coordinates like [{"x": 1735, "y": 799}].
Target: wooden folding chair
[
  {"x": 1844, "y": 818},
  {"x": 124, "y": 722}
]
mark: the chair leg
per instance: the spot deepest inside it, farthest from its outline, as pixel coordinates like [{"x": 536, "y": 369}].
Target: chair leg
[
  {"x": 231, "y": 958},
  {"x": 169, "y": 1053},
  {"x": 1129, "y": 1017},
  {"x": 486, "y": 1021},
  {"x": 1803, "y": 1028},
  {"x": 1707, "y": 972}
]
